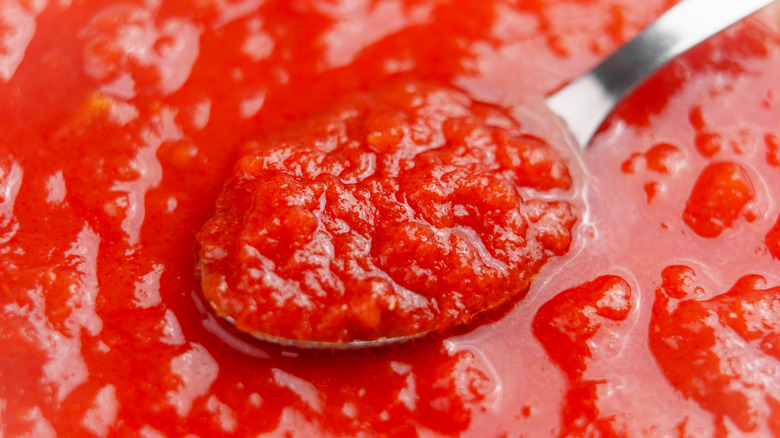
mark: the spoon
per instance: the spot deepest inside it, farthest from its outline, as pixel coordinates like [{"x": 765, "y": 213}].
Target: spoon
[{"x": 586, "y": 101}]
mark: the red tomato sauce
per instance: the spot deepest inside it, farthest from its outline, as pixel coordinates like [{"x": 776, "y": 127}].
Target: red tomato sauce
[{"x": 125, "y": 126}]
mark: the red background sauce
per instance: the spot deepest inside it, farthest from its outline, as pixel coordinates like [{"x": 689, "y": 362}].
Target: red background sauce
[{"x": 120, "y": 122}]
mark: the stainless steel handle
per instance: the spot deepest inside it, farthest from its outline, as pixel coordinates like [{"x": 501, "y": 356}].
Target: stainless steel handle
[{"x": 585, "y": 102}]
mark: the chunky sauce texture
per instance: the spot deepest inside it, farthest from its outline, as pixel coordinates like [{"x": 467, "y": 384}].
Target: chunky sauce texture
[
  {"x": 394, "y": 214},
  {"x": 155, "y": 155}
]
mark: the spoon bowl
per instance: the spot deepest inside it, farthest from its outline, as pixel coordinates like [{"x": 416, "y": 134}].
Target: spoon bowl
[{"x": 320, "y": 345}]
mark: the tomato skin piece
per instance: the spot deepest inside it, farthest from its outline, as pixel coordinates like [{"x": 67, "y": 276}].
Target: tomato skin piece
[
  {"x": 720, "y": 351},
  {"x": 722, "y": 190},
  {"x": 571, "y": 327}
]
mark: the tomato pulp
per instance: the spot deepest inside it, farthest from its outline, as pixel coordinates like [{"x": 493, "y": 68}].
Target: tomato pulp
[
  {"x": 120, "y": 123},
  {"x": 396, "y": 213}
]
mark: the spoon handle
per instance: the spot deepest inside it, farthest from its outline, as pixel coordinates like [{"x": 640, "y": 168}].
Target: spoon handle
[{"x": 585, "y": 102}]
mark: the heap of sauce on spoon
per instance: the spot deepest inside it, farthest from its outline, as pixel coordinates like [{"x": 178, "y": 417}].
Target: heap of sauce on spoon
[{"x": 400, "y": 212}]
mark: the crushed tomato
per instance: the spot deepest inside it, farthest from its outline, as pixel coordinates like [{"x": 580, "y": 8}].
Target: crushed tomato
[{"x": 394, "y": 214}]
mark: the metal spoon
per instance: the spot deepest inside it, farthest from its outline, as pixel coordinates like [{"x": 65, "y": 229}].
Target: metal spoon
[{"x": 586, "y": 101}]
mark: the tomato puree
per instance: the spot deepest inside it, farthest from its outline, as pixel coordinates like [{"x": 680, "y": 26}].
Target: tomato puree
[{"x": 345, "y": 170}]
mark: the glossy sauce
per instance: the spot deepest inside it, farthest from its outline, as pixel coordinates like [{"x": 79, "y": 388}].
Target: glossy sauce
[{"x": 121, "y": 121}]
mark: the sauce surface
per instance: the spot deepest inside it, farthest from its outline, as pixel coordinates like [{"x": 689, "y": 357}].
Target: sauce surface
[{"x": 121, "y": 121}]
